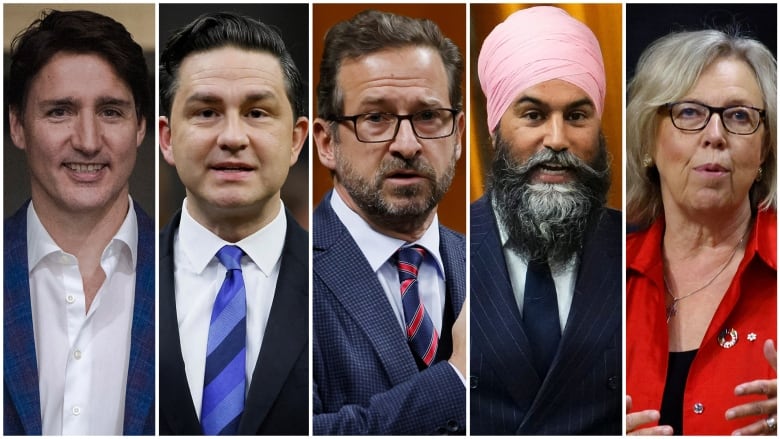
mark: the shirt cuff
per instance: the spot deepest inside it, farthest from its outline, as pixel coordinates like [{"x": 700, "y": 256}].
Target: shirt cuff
[{"x": 462, "y": 378}]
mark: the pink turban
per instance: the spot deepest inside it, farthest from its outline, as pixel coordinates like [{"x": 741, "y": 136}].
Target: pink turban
[{"x": 535, "y": 45}]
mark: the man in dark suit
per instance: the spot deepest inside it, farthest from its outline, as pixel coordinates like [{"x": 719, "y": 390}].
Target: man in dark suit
[
  {"x": 79, "y": 256},
  {"x": 233, "y": 261},
  {"x": 389, "y": 281},
  {"x": 545, "y": 252}
]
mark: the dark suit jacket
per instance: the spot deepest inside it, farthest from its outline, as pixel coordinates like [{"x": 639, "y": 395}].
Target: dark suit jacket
[
  {"x": 277, "y": 402},
  {"x": 366, "y": 380},
  {"x": 22, "y": 405},
  {"x": 582, "y": 393}
]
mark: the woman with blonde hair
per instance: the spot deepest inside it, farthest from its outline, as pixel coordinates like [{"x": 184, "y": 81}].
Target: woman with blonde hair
[{"x": 701, "y": 281}]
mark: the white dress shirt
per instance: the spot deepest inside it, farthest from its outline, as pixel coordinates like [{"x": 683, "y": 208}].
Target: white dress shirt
[
  {"x": 83, "y": 356},
  {"x": 517, "y": 266},
  {"x": 379, "y": 250},
  {"x": 198, "y": 275}
]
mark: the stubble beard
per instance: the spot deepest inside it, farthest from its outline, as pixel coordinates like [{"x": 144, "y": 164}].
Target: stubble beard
[
  {"x": 403, "y": 209},
  {"x": 548, "y": 221}
]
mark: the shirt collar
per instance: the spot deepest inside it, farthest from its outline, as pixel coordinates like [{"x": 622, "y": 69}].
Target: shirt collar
[
  {"x": 378, "y": 248},
  {"x": 40, "y": 243},
  {"x": 264, "y": 247}
]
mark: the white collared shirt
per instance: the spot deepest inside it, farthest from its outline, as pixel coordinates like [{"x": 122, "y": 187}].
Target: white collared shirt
[
  {"x": 82, "y": 356},
  {"x": 517, "y": 266},
  {"x": 198, "y": 275},
  {"x": 379, "y": 250}
]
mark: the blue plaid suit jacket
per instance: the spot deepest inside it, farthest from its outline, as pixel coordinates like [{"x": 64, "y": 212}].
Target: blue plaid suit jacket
[
  {"x": 366, "y": 380},
  {"x": 21, "y": 399},
  {"x": 582, "y": 393}
]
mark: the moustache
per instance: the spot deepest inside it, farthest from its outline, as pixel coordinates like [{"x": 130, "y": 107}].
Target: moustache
[
  {"x": 396, "y": 165},
  {"x": 562, "y": 160}
]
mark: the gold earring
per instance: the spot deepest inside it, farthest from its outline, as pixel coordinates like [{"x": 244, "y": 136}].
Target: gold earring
[
  {"x": 760, "y": 174},
  {"x": 647, "y": 161}
]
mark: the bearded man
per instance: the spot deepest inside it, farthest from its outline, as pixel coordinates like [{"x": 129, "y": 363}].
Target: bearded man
[
  {"x": 545, "y": 252},
  {"x": 389, "y": 283}
]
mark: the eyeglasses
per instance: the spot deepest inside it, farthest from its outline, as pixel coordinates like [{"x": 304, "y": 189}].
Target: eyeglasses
[
  {"x": 693, "y": 116},
  {"x": 433, "y": 123}
]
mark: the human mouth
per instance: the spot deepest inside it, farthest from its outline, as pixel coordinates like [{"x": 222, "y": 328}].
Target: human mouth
[
  {"x": 232, "y": 167},
  {"x": 711, "y": 170},
  {"x": 551, "y": 173},
  {"x": 91, "y": 168}
]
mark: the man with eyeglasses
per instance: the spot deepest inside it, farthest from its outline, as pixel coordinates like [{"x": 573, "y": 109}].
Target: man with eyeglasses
[
  {"x": 545, "y": 252},
  {"x": 389, "y": 346}
]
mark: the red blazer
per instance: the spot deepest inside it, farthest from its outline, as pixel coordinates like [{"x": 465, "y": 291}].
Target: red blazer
[{"x": 749, "y": 307}]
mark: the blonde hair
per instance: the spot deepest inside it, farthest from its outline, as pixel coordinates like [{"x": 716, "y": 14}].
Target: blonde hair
[{"x": 667, "y": 69}]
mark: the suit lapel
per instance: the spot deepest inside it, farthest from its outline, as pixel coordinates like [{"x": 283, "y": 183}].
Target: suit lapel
[
  {"x": 360, "y": 294},
  {"x": 20, "y": 369},
  {"x": 496, "y": 323},
  {"x": 286, "y": 335},
  {"x": 139, "y": 395},
  {"x": 175, "y": 398},
  {"x": 594, "y": 318}
]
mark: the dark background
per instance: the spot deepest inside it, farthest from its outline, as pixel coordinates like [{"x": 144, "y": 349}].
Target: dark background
[
  {"x": 292, "y": 21},
  {"x": 646, "y": 23}
]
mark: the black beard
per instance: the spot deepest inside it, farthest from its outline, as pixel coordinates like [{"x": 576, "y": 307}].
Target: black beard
[
  {"x": 418, "y": 201},
  {"x": 546, "y": 221}
]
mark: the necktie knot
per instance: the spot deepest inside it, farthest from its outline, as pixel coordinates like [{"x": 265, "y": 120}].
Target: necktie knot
[
  {"x": 410, "y": 258},
  {"x": 230, "y": 257}
]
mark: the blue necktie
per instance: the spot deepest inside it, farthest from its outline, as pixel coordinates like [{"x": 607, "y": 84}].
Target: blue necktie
[
  {"x": 420, "y": 332},
  {"x": 540, "y": 316},
  {"x": 224, "y": 383}
]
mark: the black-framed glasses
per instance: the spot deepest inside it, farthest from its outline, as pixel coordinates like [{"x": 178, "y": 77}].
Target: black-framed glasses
[
  {"x": 433, "y": 123},
  {"x": 694, "y": 116}
]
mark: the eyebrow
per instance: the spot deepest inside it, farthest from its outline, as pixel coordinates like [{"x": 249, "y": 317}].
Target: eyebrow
[
  {"x": 380, "y": 100},
  {"x": 210, "y": 98},
  {"x": 71, "y": 101},
  {"x": 536, "y": 101}
]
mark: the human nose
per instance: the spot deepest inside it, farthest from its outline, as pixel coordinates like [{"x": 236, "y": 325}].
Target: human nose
[
  {"x": 86, "y": 135},
  {"x": 406, "y": 143},
  {"x": 714, "y": 131},
  {"x": 555, "y": 137},
  {"x": 233, "y": 135}
]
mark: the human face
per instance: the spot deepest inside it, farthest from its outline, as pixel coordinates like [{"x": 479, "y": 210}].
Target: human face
[
  {"x": 711, "y": 169},
  {"x": 231, "y": 135},
  {"x": 554, "y": 114},
  {"x": 80, "y": 131},
  {"x": 405, "y": 177}
]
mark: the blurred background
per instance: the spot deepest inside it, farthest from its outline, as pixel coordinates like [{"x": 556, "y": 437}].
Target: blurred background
[
  {"x": 451, "y": 18},
  {"x": 606, "y": 22},
  {"x": 139, "y": 21},
  {"x": 292, "y": 21}
]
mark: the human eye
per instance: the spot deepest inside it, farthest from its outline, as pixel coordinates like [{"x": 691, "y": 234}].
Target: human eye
[
  {"x": 689, "y": 111},
  {"x": 376, "y": 118},
  {"x": 112, "y": 113},
  {"x": 256, "y": 113},
  {"x": 533, "y": 115},
  {"x": 577, "y": 116},
  {"x": 58, "y": 112},
  {"x": 206, "y": 113}
]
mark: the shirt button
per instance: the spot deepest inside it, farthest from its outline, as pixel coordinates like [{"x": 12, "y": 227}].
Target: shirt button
[
  {"x": 698, "y": 408},
  {"x": 70, "y": 298},
  {"x": 76, "y": 410},
  {"x": 77, "y": 354}
]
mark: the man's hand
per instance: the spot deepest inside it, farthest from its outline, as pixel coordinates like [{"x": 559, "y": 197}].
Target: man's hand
[
  {"x": 763, "y": 407},
  {"x": 634, "y": 420},
  {"x": 458, "y": 357}
]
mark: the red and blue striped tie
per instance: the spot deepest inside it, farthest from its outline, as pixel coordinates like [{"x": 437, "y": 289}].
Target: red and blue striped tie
[
  {"x": 420, "y": 332},
  {"x": 224, "y": 384}
]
